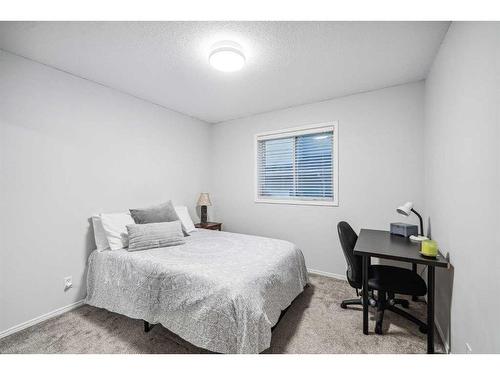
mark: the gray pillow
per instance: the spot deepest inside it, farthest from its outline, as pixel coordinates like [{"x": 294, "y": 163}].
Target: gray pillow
[
  {"x": 154, "y": 214},
  {"x": 154, "y": 235},
  {"x": 160, "y": 213}
]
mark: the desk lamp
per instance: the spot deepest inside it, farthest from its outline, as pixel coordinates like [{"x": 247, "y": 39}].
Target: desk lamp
[{"x": 406, "y": 209}]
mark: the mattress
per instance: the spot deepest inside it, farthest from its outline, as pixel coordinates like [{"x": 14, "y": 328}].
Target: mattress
[{"x": 220, "y": 291}]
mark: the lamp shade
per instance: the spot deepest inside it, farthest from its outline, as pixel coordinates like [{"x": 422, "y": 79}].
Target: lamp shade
[
  {"x": 204, "y": 200},
  {"x": 405, "y": 209}
]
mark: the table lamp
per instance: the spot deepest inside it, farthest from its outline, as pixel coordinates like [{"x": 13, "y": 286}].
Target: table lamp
[
  {"x": 203, "y": 202},
  {"x": 406, "y": 209}
]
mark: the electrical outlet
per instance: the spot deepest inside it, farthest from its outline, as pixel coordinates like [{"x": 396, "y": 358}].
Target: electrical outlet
[
  {"x": 68, "y": 283},
  {"x": 468, "y": 349}
]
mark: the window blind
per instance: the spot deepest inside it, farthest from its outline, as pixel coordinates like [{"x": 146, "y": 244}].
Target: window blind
[{"x": 296, "y": 167}]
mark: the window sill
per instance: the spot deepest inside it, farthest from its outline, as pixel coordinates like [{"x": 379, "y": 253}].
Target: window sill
[{"x": 297, "y": 202}]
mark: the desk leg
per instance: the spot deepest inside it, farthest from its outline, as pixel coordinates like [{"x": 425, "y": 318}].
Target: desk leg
[
  {"x": 430, "y": 309},
  {"x": 414, "y": 269},
  {"x": 366, "y": 265}
]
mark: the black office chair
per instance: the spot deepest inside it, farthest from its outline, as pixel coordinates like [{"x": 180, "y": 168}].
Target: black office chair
[{"x": 386, "y": 280}]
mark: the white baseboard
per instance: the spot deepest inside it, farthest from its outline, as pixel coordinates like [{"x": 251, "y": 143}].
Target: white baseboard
[
  {"x": 327, "y": 274},
  {"x": 41, "y": 318},
  {"x": 443, "y": 339}
]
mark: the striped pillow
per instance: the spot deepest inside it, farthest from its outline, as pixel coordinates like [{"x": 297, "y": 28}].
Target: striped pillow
[{"x": 154, "y": 235}]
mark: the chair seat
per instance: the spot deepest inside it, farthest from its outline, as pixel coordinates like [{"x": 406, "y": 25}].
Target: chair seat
[{"x": 396, "y": 280}]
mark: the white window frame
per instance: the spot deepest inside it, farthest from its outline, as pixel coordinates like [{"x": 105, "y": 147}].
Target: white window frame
[{"x": 296, "y": 131}]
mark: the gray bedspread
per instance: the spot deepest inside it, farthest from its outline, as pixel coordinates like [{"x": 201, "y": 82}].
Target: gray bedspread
[{"x": 220, "y": 291}]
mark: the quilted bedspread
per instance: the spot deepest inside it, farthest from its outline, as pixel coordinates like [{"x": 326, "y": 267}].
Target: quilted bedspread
[{"x": 220, "y": 291}]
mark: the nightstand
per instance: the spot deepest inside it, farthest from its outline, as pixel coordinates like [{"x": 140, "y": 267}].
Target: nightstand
[{"x": 209, "y": 225}]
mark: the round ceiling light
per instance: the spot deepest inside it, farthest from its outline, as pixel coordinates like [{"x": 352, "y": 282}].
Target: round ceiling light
[{"x": 227, "y": 56}]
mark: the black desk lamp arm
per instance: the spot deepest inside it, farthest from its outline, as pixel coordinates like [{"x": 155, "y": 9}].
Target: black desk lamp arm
[{"x": 421, "y": 221}]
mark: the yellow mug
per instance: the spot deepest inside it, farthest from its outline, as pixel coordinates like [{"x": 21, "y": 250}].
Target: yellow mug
[{"x": 429, "y": 248}]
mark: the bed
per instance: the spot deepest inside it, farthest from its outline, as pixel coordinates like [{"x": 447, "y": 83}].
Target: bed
[{"x": 220, "y": 291}]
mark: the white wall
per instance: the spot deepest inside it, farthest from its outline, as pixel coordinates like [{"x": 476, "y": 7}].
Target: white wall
[
  {"x": 462, "y": 183},
  {"x": 380, "y": 167},
  {"x": 71, "y": 148}
]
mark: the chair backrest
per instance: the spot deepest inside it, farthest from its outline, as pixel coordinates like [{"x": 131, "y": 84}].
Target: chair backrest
[{"x": 348, "y": 240}]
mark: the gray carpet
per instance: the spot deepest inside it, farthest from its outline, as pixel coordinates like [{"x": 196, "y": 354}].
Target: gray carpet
[{"x": 314, "y": 323}]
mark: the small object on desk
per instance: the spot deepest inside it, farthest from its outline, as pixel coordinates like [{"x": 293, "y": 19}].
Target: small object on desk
[
  {"x": 418, "y": 238},
  {"x": 208, "y": 225},
  {"x": 429, "y": 249},
  {"x": 403, "y": 229}
]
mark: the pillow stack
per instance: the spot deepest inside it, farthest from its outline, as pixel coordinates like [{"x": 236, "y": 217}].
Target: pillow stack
[
  {"x": 149, "y": 236},
  {"x": 143, "y": 228}
]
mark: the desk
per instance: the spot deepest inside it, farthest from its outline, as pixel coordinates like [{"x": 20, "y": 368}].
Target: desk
[{"x": 381, "y": 244}]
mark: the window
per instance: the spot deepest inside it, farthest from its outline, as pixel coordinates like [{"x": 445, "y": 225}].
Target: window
[{"x": 298, "y": 166}]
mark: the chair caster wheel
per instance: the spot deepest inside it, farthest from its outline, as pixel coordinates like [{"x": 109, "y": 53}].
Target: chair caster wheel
[
  {"x": 378, "y": 329},
  {"x": 343, "y": 305},
  {"x": 405, "y": 304},
  {"x": 423, "y": 329}
]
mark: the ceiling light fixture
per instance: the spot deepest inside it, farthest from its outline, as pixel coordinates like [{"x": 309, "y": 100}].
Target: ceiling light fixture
[{"x": 226, "y": 56}]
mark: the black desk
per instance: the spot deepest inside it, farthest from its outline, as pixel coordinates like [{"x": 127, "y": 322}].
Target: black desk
[{"x": 381, "y": 244}]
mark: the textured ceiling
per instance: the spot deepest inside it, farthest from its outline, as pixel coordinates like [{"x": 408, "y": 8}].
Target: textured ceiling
[{"x": 288, "y": 63}]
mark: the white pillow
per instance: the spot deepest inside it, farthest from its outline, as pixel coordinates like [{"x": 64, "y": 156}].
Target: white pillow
[
  {"x": 101, "y": 241},
  {"x": 115, "y": 227},
  {"x": 187, "y": 223}
]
